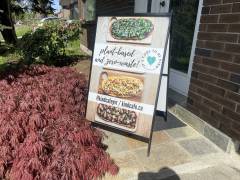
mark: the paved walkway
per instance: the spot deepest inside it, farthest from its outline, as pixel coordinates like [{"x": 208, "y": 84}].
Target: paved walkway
[{"x": 178, "y": 152}]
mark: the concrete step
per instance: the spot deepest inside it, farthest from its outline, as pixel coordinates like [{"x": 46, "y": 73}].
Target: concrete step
[
  {"x": 220, "y": 172},
  {"x": 217, "y": 137},
  {"x": 219, "y": 167}
]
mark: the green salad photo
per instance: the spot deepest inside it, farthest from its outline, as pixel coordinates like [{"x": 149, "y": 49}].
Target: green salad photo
[{"x": 131, "y": 28}]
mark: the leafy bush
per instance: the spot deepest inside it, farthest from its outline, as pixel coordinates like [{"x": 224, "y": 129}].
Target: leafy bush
[
  {"x": 48, "y": 43},
  {"x": 43, "y": 133},
  {"x": 71, "y": 30},
  {"x": 43, "y": 44}
]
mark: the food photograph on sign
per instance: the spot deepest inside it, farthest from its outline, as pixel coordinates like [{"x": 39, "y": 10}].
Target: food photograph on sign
[
  {"x": 121, "y": 84},
  {"x": 126, "y": 68},
  {"x": 119, "y": 117},
  {"x": 131, "y": 29}
]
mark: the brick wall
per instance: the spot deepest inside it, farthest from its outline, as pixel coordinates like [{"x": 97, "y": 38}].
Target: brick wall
[{"x": 214, "y": 93}]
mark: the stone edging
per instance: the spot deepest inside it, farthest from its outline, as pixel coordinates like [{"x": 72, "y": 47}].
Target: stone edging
[{"x": 220, "y": 139}]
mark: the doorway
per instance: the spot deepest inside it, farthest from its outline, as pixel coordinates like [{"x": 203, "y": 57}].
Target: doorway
[{"x": 185, "y": 22}]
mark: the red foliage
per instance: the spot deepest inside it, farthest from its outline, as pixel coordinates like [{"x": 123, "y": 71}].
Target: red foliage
[{"x": 43, "y": 133}]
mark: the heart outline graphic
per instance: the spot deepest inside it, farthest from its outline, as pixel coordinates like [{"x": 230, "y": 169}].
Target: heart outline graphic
[{"x": 151, "y": 59}]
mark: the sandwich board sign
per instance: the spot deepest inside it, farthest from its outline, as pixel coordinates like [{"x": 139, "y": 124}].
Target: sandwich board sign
[{"x": 126, "y": 72}]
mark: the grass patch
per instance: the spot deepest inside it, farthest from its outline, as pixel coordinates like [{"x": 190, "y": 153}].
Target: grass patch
[
  {"x": 2, "y": 60},
  {"x": 8, "y": 53},
  {"x": 22, "y": 29},
  {"x": 9, "y": 58}
]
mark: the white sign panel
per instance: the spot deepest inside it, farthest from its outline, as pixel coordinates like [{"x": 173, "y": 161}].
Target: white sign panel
[{"x": 126, "y": 65}]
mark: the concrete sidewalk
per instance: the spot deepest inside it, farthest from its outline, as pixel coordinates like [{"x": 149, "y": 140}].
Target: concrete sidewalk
[
  {"x": 178, "y": 152},
  {"x": 218, "y": 172}
]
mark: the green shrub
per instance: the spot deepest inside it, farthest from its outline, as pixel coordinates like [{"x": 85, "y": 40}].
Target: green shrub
[{"x": 47, "y": 43}]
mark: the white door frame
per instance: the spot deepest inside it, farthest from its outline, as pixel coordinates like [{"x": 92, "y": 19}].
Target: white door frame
[
  {"x": 141, "y": 6},
  {"x": 180, "y": 81},
  {"x": 200, "y": 5}
]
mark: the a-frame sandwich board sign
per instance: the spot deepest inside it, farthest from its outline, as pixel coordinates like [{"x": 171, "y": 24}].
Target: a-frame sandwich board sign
[{"x": 126, "y": 71}]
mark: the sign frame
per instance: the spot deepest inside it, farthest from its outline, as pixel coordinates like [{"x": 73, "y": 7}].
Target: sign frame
[
  {"x": 159, "y": 112},
  {"x": 123, "y": 131}
]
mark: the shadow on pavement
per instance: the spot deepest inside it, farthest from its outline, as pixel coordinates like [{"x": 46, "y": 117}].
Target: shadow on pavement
[
  {"x": 172, "y": 122},
  {"x": 163, "y": 174}
]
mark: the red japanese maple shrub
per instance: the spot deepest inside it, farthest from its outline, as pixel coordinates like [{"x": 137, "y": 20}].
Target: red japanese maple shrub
[{"x": 43, "y": 133}]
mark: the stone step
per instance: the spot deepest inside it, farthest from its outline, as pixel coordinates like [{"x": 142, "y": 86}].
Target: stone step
[
  {"x": 218, "y": 166},
  {"x": 217, "y": 137}
]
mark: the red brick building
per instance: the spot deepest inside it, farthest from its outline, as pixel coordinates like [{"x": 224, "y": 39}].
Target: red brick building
[{"x": 214, "y": 92}]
